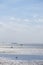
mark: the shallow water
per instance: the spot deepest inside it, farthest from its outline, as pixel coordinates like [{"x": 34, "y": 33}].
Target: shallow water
[{"x": 22, "y": 57}]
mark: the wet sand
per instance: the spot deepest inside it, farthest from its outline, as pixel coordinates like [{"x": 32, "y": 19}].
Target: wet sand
[
  {"x": 29, "y": 51},
  {"x": 4, "y": 61}
]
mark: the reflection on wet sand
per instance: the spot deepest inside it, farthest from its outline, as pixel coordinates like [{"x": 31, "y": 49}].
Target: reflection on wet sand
[{"x": 20, "y": 62}]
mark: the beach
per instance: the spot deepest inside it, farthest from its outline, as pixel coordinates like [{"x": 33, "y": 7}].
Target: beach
[
  {"x": 26, "y": 51},
  {"x": 4, "y": 61},
  {"x": 5, "y": 52}
]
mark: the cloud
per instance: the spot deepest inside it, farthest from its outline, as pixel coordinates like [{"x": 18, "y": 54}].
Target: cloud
[
  {"x": 21, "y": 20},
  {"x": 21, "y": 23},
  {"x": 21, "y": 30}
]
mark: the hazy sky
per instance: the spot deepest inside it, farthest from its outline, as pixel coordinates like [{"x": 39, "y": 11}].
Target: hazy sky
[{"x": 21, "y": 21}]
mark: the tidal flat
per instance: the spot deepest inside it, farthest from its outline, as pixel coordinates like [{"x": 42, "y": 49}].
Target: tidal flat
[
  {"x": 4, "y": 61},
  {"x": 21, "y": 55}
]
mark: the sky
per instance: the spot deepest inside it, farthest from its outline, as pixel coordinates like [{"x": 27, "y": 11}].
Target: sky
[{"x": 21, "y": 21}]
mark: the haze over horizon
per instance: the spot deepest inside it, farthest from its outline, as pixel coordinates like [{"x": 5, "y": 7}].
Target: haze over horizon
[{"x": 21, "y": 21}]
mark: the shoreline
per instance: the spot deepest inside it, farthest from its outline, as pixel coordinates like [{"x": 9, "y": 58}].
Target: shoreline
[
  {"x": 26, "y": 51},
  {"x": 4, "y": 61},
  {"x": 20, "y": 51}
]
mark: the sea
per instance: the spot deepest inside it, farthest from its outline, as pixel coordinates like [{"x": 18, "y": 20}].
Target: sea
[{"x": 23, "y": 56}]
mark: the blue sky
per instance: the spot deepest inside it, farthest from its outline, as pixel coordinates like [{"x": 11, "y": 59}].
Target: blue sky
[{"x": 21, "y": 21}]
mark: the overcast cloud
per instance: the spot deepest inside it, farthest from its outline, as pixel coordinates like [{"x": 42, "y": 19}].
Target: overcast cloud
[{"x": 21, "y": 21}]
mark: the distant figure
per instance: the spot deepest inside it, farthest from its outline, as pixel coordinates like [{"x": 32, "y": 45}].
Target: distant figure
[
  {"x": 21, "y": 44},
  {"x": 16, "y": 57},
  {"x": 11, "y": 47}
]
